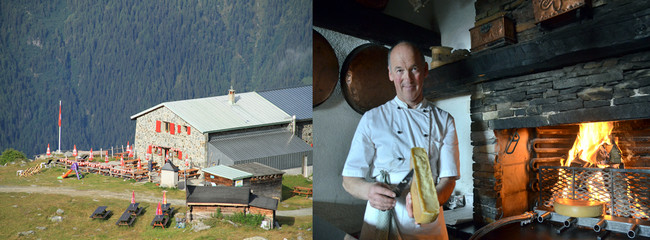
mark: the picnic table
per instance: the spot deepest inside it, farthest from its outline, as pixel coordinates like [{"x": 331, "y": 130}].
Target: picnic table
[
  {"x": 166, "y": 209},
  {"x": 298, "y": 190},
  {"x": 126, "y": 219},
  {"x": 193, "y": 172},
  {"x": 160, "y": 221},
  {"x": 131, "y": 161},
  {"x": 101, "y": 213},
  {"x": 134, "y": 209}
]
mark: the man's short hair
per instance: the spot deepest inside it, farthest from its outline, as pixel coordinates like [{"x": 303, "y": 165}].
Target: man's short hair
[{"x": 410, "y": 44}]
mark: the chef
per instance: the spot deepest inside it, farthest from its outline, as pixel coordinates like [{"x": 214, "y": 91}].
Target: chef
[{"x": 380, "y": 152}]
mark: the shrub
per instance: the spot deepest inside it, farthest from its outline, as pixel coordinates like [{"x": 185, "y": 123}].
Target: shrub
[
  {"x": 11, "y": 155},
  {"x": 247, "y": 219},
  {"x": 219, "y": 214}
]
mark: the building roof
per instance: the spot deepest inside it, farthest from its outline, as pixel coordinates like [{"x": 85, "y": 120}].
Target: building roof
[
  {"x": 227, "y": 172},
  {"x": 263, "y": 202},
  {"x": 169, "y": 166},
  {"x": 216, "y": 114},
  {"x": 294, "y": 101},
  {"x": 257, "y": 169},
  {"x": 259, "y": 144},
  {"x": 218, "y": 194}
]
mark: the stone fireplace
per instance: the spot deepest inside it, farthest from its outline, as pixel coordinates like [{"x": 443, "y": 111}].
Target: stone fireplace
[
  {"x": 592, "y": 66},
  {"x": 612, "y": 89}
]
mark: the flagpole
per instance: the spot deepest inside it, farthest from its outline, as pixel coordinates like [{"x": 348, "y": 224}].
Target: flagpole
[{"x": 59, "y": 126}]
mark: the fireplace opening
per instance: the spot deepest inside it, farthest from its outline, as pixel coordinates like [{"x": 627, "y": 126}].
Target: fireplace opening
[{"x": 558, "y": 171}]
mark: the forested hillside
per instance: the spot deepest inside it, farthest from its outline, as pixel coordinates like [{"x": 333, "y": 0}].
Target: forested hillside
[{"x": 107, "y": 60}]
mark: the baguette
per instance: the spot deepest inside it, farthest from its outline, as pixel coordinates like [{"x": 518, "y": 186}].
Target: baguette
[{"x": 423, "y": 189}]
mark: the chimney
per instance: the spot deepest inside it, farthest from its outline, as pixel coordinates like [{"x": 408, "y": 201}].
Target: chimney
[{"x": 231, "y": 95}]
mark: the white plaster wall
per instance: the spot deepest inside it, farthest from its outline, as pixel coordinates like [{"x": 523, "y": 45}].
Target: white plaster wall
[
  {"x": 335, "y": 121},
  {"x": 458, "y": 107},
  {"x": 455, "y": 18},
  {"x": 334, "y": 125}
]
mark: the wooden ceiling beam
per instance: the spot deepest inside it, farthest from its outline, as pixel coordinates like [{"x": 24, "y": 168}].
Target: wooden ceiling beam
[{"x": 348, "y": 17}]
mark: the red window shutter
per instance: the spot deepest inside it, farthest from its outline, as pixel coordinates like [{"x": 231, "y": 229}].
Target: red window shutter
[
  {"x": 157, "y": 126},
  {"x": 179, "y": 129},
  {"x": 180, "y": 155},
  {"x": 172, "y": 128},
  {"x": 188, "y": 130}
]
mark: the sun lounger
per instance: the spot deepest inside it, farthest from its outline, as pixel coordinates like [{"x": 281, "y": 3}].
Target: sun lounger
[{"x": 101, "y": 213}]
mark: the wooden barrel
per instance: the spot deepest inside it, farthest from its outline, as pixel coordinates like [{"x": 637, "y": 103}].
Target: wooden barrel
[
  {"x": 326, "y": 69},
  {"x": 364, "y": 78}
]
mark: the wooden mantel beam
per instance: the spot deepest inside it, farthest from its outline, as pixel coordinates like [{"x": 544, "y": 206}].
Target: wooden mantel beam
[{"x": 611, "y": 32}]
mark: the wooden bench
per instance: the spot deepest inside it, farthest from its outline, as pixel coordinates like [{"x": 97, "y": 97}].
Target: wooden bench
[
  {"x": 297, "y": 190},
  {"x": 194, "y": 172}
]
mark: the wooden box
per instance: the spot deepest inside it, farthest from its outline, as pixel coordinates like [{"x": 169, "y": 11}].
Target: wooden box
[
  {"x": 547, "y": 9},
  {"x": 497, "y": 32}
]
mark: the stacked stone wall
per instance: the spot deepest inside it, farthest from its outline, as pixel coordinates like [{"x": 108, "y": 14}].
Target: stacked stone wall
[{"x": 192, "y": 146}]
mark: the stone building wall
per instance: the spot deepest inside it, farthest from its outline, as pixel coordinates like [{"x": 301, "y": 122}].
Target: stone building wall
[
  {"x": 192, "y": 146},
  {"x": 304, "y": 131}
]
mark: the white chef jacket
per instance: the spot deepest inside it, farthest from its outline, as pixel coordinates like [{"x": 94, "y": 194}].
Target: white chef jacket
[{"x": 383, "y": 141}]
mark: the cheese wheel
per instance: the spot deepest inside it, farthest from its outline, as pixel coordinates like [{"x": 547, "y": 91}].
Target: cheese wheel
[
  {"x": 578, "y": 208},
  {"x": 423, "y": 189}
]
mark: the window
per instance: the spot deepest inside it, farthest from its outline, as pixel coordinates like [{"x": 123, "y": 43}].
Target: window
[
  {"x": 167, "y": 126},
  {"x": 188, "y": 130}
]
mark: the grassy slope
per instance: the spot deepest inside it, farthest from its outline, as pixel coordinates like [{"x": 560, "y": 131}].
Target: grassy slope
[{"x": 34, "y": 210}]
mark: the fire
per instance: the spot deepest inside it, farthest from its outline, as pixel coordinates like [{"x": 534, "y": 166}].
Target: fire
[
  {"x": 591, "y": 144},
  {"x": 591, "y": 138}
]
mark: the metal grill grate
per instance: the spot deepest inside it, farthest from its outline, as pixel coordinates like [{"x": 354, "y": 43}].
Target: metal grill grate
[{"x": 626, "y": 192}]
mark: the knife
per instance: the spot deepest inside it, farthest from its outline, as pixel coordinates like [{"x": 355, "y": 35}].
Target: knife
[{"x": 403, "y": 184}]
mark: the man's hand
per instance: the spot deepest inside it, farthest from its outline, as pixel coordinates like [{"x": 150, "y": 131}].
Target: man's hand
[
  {"x": 379, "y": 195},
  {"x": 444, "y": 189}
]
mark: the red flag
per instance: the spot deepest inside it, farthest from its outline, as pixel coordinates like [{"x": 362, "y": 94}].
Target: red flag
[
  {"x": 133, "y": 197},
  {"x": 59, "y": 113}
]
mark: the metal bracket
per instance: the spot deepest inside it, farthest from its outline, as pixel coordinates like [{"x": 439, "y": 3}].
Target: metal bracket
[{"x": 514, "y": 138}]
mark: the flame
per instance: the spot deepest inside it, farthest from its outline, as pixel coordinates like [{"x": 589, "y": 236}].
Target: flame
[{"x": 590, "y": 138}]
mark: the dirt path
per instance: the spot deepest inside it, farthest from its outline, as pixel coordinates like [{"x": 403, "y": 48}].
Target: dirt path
[
  {"x": 88, "y": 193},
  {"x": 121, "y": 196}
]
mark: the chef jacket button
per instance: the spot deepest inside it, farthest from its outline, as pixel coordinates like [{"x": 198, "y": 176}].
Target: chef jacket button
[
  {"x": 425, "y": 110},
  {"x": 398, "y": 107},
  {"x": 400, "y": 158},
  {"x": 399, "y": 132},
  {"x": 426, "y": 135}
]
